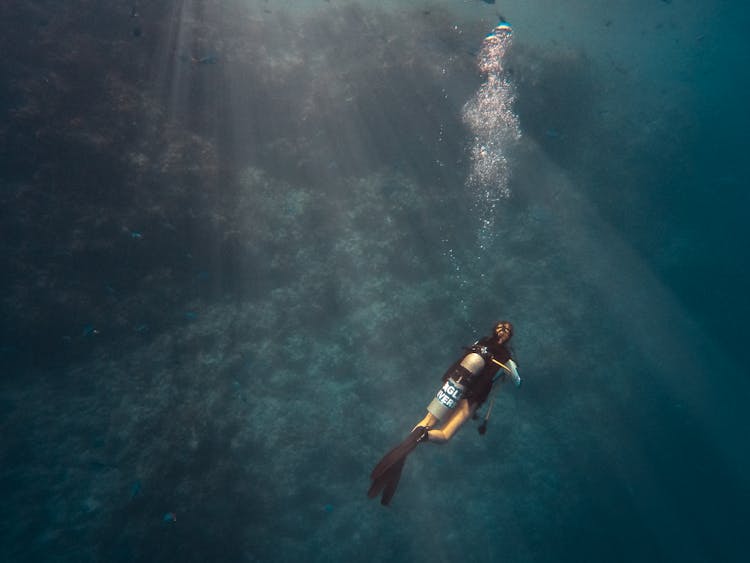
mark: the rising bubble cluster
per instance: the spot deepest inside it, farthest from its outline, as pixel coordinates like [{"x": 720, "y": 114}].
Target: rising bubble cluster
[{"x": 494, "y": 126}]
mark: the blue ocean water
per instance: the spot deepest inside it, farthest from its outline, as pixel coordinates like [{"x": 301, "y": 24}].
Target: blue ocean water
[{"x": 241, "y": 242}]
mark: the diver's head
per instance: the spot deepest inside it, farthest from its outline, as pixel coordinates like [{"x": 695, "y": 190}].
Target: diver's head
[{"x": 503, "y": 331}]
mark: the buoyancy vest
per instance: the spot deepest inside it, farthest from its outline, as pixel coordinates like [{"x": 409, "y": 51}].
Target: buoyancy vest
[{"x": 479, "y": 386}]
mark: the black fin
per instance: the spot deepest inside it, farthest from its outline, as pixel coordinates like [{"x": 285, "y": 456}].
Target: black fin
[
  {"x": 398, "y": 453},
  {"x": 387, "y": 483},
  {"x": 377, "y": 486},
  {"x": 394, "y": 476}
]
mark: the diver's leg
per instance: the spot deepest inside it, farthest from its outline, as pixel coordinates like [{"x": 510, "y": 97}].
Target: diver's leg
[
  {"x": 429, "y": 420},
  {"x": 463, "y": 412}
]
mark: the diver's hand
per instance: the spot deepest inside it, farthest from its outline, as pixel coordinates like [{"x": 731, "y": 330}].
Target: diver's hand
[{"x": 514, "y": 372}]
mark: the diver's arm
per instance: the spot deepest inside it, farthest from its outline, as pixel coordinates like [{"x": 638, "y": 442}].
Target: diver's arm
[
  {"x": 511, "y": 368},
  {"x": 513, "y": 371}
]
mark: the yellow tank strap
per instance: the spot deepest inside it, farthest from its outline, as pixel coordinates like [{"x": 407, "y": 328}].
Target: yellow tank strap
[{"x": 502, "y": 365}]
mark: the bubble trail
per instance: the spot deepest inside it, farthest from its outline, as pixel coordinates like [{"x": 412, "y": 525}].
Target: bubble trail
[{"x": 495, "y": 128}]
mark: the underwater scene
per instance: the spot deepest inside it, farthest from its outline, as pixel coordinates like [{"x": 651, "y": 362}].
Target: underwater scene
[{"x": 245, "y": 244}]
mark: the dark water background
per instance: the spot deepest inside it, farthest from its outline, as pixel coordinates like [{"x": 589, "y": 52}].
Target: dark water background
[{"x": 238, "y": 253}]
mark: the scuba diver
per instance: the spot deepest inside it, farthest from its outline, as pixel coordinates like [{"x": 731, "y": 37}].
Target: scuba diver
[{"x": 467, "y": 385}]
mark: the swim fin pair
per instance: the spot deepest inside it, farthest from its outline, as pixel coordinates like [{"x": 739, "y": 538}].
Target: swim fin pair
[{"x": 387, "y": 472}]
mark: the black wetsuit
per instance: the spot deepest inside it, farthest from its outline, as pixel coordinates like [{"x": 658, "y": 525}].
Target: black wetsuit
[{"x": 481, "y": 384}]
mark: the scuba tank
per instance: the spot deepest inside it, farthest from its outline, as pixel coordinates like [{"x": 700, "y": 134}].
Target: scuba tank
[{"x": 453, "y": 389}]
